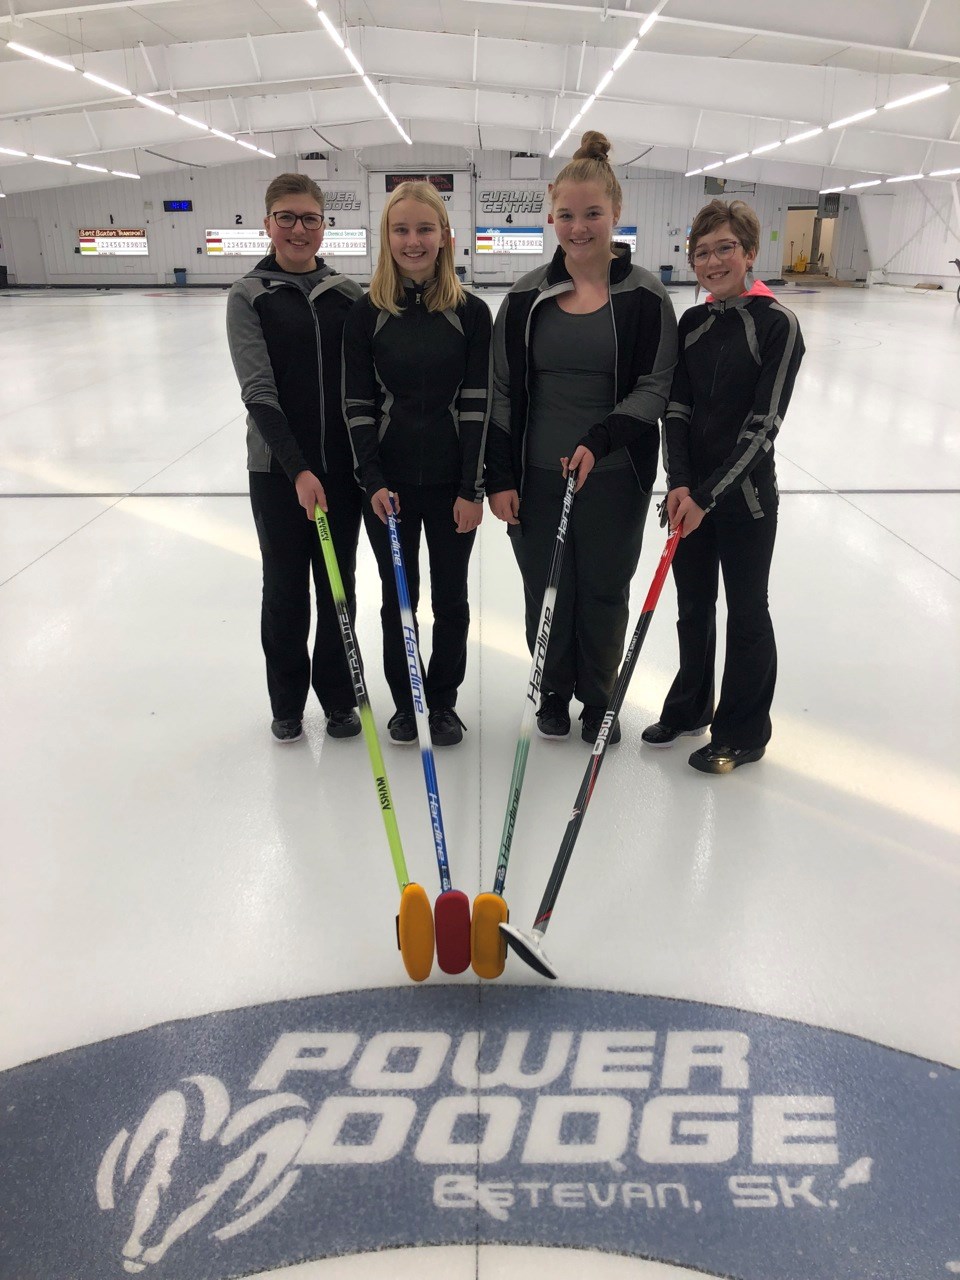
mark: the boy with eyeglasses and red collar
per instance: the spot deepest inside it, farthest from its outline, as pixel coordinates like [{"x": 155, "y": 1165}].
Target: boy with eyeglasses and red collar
[
  {"x": 739, "y": 356},
  {"x": 285, "y": 328}
]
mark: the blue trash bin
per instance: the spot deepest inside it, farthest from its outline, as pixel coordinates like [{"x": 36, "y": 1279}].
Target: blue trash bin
[
  {"x": 180, "y": 275},
  {"x": 666, "y": 273}
]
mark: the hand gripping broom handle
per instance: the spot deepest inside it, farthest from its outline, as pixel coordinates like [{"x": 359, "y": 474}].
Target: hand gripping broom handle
[
  {"x": 533, "y": 687},
  {"x": 596, "y": 758},
  {"x": 363, "y": 702},
  {"x": 415, "y": 672}
]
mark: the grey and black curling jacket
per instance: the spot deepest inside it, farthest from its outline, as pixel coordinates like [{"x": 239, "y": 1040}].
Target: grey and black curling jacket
[
  {"x": 645, "y": 341},
  {"x": 285, "y": 331},
  {"x": 417, "y": 390},
  {"x": 738, "y": 363}
]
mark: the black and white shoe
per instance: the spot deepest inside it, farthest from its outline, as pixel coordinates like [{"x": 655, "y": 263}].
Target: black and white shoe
[
  {"x": 553, "y": 718},
  {"x": 287, "y": 730},
  {"x": 591, "y": 718},
  {"x": 343, "y": 724},
  {"x": 446, "y": 727},
  {"x": 402, "y": 728},
  {"x": 714, "y": 759},
  {"x": 661, "y": 735}
]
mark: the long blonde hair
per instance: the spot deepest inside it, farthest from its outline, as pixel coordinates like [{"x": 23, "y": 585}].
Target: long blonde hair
[{"x": 444, "y": 291}]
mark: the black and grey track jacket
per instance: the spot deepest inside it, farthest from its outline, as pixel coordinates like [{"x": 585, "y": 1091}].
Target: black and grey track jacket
[
  {"x": 738, "y": 363},
  {"x": 285, "y": 331},
  {"x": 416, "y": 393},
  {"x": 645, "y": 337}
]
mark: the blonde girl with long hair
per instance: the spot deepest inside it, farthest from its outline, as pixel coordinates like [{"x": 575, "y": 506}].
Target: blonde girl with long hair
[
  {"x": 584, "y": 348},
  {"x": 417, "y": 388}
]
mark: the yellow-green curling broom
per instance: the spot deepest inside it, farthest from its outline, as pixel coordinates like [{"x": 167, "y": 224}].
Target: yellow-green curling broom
[{"x": 415, "y": 918}]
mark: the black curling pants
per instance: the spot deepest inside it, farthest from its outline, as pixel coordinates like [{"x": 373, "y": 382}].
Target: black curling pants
[
  {"x": 600, "y": 557},
  {"x": 730, "y": 540},
  {"x": 290, "y": 548},
  {"x": 426, "y": 509}
]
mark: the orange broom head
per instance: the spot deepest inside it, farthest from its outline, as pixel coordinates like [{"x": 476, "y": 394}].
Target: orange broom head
[
  {"x": 451, "y": 914},
  {"x": 488, "y": 950},
  {"x": 415, "y": 932}
]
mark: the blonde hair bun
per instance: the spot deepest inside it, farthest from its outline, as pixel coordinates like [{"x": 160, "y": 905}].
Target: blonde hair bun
[{"x": 593, "y": 146}]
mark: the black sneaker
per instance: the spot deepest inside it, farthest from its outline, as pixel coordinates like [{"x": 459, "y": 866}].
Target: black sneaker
[
  {"x": 446, "y": 727},
  {"x": 287, "y": 730},
  {"x": 712, "y": 759},
  {"x": 553, "y": 718},
  {"x": 402, "y": 728},
  {"x": 343, "y": 724},
  {"x": 591, "y": 719},
  {"x": 661, "y": 735}
]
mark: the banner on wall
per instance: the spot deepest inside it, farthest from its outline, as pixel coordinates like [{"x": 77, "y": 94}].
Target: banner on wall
[
  {"x": 510, "y": 240},
  {"x": 247, "y": 243},
  {"x": 442, "y": 181},
  {"x": 346, "y": 200},
  {"x": 627, "y": 236},
  {"x": 114, "y": 241}
]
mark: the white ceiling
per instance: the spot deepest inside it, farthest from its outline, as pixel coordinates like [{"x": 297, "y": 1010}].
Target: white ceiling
[{"x": 705, "y": 83}]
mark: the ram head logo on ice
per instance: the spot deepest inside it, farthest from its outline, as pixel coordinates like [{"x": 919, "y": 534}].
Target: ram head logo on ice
[{"x": 190, "y": 1160}]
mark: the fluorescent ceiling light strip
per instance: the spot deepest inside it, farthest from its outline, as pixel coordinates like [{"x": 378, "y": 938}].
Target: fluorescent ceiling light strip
[
  {"x": 51, "y": 160},
  {"x": 625, "y": 53},
  {"x": 906, "y": 177},
  {"x": 312, "y": 3},
  {"x": 829, "y": 191},
  {"x": 802, "y": 137},
  {"x": 916, "y": 97},
  {"x": 197, "y": 124},
  {"x": 331, "y": 30},
  {"x": 249, "y": 145},
  {"x": 646, "y": 25},
  {"x": 108, "y": 84},
  {"x": 693, "y": 173},
  {"x": 860, "y": 115},
  {"x": 94, "y": 168},
  {"x": 588, "y": 104},
  {"x": 264, "y": 152},
  {"x": 370, "y": 86},
  {"x": 354, "y": 61},
  {"x": 220, "y": 134},
  {"x": 733, "y": 159},
  {"x": 934, "y": 173},
  {"x": 603, "y": 83},
  {"x": 41, "y": 57},
  {"x": 9, "y": 151},
  {"x": 120, "y": 173},
  {"x": 767, "y": 146},
  {"x": 716, "y": 165},
  {"x": 874, "y": 182},
  {"x": 155, "y": 106}
]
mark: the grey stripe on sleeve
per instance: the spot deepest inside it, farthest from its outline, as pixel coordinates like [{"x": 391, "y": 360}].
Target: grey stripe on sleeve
[{"x": 751, "y": 332}]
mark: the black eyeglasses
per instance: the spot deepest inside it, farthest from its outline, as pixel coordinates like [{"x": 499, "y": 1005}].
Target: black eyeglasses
[
  {"x": 286, "y": 219},
  {"x": 723, "y": 251}
]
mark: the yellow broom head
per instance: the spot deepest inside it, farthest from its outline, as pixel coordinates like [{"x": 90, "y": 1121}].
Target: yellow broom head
[
  {"x": 488, "y": 951},
  {"x": 415, "y": 932}
]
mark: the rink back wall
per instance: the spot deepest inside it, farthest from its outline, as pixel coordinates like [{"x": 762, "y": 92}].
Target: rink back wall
[{"x": 661, "y": 205}]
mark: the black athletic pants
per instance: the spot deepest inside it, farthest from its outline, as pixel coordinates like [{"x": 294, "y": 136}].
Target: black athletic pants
[
  {"x": 604, "y": 537},
  {"x": 731, "y": 539},
  {"x": 428, "y": 508},
  {"x": 289, "y": 547}
]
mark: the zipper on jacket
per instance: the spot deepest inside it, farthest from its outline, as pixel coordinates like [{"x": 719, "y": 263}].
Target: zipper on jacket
[
  {"x": 316, "y": 329},
  {"x": 541, "y": 297}
]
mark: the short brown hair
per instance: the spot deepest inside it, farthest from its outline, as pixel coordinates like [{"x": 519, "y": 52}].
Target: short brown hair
[
  {"x": 744, "y": 224},
  {"x": 292, "y": 184},
  {"x": 590, "y": 164}
]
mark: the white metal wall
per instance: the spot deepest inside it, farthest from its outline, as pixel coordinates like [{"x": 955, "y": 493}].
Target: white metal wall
[
  {"x": 914, "y": 233},
  {"x": 661, "y": 206}
]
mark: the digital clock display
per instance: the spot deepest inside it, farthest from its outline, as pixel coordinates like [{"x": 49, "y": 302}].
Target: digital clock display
[{"x": 178, "y": 206}]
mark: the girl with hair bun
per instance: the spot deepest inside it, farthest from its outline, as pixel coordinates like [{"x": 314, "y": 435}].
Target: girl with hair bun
[
  {"x": 740, "y": 352},
  {"x": 584, "y": 350},
  {"x": 417, "y": 374}
]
